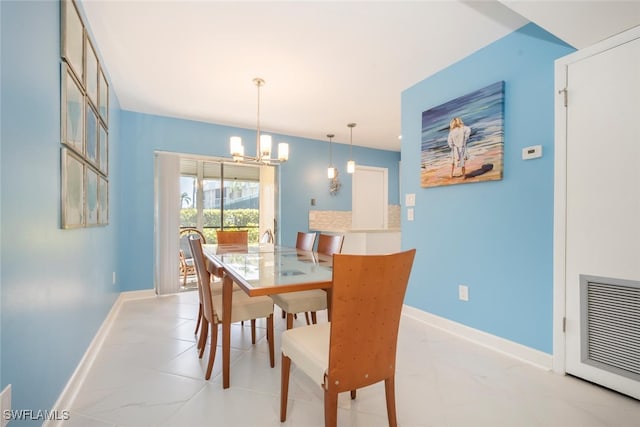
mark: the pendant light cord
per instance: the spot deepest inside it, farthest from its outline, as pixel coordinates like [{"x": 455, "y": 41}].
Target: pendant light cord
[{"x": 259, "y": 82}]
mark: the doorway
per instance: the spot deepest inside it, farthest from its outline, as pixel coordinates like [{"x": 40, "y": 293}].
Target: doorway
[{"x": 207, "y": 194}]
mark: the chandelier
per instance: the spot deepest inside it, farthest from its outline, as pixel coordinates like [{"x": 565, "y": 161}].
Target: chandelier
[{"x": 263, "y": 143}]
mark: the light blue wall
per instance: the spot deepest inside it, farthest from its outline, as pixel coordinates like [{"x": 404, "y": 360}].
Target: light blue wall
[
  {"x": 303, "y": 177},
  {"x": 496, "y": 237},
  {"x": 56, "y": 285}
]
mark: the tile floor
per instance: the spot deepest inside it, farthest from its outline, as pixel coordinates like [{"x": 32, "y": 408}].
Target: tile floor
[{"x": 148, "y": 374}]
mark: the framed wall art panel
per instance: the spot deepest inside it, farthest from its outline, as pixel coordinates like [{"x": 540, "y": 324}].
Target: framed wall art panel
[
  {"x": 73, "y": 191},
  {"x": 72, "y": 38},
  {"x": 103, "y": 98},
  {"x": 91, "y": 199},
  {"x": 72, "y": 115},
  {"x": 91, "y": 145},
  {"x": 103, "y": 201},
  {"x": 91, "y": 72},
  {"x": 103, "y": 150}
]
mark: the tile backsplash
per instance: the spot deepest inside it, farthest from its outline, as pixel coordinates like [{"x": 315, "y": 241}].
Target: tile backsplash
[{"x": 341, "y": 220}]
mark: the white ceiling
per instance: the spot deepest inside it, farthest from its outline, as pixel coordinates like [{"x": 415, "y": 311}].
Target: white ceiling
[{"x": 325, "y": 63}]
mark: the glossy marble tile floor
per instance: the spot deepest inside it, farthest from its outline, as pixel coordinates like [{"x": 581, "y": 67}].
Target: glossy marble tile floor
[{"x": 148, "y": 374}]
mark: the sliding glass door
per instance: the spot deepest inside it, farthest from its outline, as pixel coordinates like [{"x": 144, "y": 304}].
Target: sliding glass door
[{"x": 216, "y": 195}]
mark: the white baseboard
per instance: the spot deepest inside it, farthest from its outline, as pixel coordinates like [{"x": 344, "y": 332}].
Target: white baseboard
[
  {"x": 68, "y": 395},
  {"x": 526, "y": 354}
]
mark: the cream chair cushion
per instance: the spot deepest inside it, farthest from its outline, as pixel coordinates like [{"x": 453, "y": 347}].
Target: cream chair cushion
[
  {"x": 216, "y": 287},
  {"x": 244, "y": 307},
  {"x": 308, "y": 348},
  {"x": 299, "y": 302}
]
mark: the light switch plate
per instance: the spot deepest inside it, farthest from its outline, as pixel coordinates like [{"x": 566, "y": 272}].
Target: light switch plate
[
  {"x": 463, "y": 292},
  {"x": 410, "y": 199}
]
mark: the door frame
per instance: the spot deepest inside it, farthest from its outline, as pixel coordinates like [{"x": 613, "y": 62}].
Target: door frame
[{"x": 560, "y": 188}]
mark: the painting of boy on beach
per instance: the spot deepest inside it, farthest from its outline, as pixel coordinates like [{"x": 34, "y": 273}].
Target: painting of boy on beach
[{"x": 463, "y": 139}]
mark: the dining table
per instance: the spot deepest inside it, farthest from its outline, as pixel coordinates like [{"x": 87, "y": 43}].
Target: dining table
[{"x": 263, "y": 269}]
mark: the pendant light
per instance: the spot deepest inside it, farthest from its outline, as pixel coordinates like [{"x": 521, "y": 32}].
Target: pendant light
[
  {"x": 331, "y": 171},
  {"x": 351, "y": 164}
]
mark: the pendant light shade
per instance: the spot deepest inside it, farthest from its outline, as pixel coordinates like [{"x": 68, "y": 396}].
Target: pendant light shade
[{"x": 351, "y": 164}]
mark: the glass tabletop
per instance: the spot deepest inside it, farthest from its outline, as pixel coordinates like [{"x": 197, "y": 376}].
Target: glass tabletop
[{"x": 268, "y": 269}]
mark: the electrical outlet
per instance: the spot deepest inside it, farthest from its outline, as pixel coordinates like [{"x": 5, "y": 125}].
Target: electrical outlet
[
  {"x": 532, "y": 152},
  {"x": 5, "y": 405},
  {"x": 463, "y": 292}
]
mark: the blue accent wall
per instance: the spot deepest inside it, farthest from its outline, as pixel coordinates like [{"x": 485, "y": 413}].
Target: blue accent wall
[
  {"x": 495, "y": 237},
  {"x": 301, "y": 178},
  {"x": 56, "y": 285}
]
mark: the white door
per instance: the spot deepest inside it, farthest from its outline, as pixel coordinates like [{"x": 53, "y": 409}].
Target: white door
[
  {"x": 602, "y": 223},
  {"x": 370, "y": 199}
]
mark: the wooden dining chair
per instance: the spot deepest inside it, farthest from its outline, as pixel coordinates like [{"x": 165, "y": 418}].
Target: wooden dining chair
[
  {"x": 243, "y": 308},
  {"x": 267, "y": 237},
  {"x": 232, "y": 236},
  {"x": 184, "y": 255},
  {"x": 311, "y": 301},
  {"x": 215, "y": 286},
  {"x": 358, "y": 347},
  {"x": 187, "y": 268},
  {"x": 330, "y": 244},
  {"x": 305, "y": 241}
]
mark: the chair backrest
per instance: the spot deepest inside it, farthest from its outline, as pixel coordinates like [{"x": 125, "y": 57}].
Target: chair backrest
[
  {"x": 267, "y": 237},
  {"x": 366, "y": 303},
  {"x": 184, "y": 240},
  {"x": 232, "y": 236},
  {"x": 305, "y": 241},
  {"x": 204, "y": 277},
  {"x": 330, "y": 244}
]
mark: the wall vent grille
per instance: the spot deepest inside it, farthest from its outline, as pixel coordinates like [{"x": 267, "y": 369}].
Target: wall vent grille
[{"x": 610, "y": 325}]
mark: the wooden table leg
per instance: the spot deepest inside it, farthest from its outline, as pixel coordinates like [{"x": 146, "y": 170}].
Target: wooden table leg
[{"x": 227, "y": 291}]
